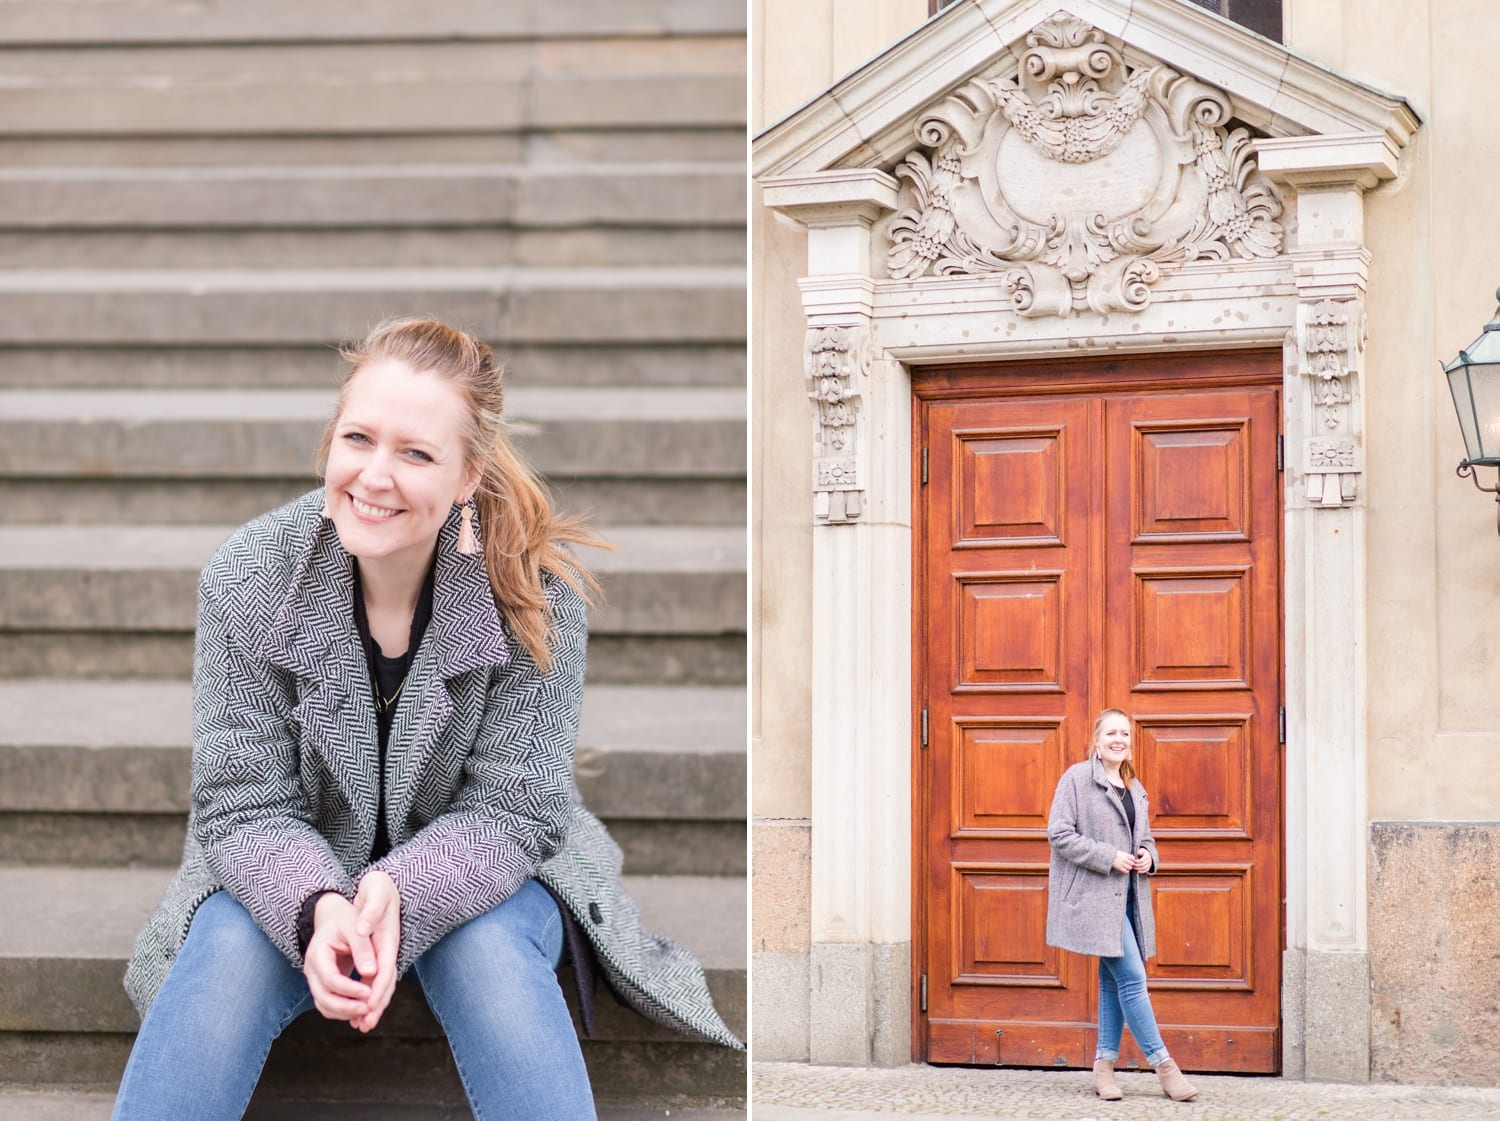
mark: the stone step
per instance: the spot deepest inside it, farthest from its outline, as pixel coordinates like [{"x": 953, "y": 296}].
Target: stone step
[
  {"x": 384, "y": 197},
  {"x": 376, "y": 216},
  {"x": 642, "y": 455},
  {"x": 45, "y": 22},
  {"x": 291, "y": 367},
  {"x": 685, "y": 501},
  {"x": 416, "y": 215},
  {"x": 582, "y": 246},
  {"x": 565, "y": 433},
  {"x": 570, "y": 146},
  {"x": 96, "y": 772},
  {"x": 350, "y": 89},
  {"x": 660, "y": 579},
  {"x": 66, "y": 933},
  {"x": 320, "y": 307},
  {"x": 119, "y": 601},
  {"x": 85, "y": 1105}
]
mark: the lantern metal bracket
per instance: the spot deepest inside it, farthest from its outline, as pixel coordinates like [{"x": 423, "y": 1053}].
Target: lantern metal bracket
[{"x": 1466, "y": 471}]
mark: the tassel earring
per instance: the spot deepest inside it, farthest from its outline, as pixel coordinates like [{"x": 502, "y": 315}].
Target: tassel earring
[{"x": 468, "y": 543}]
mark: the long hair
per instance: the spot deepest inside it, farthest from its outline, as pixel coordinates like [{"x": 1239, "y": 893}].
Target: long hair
[
  {"x": 1127, "y": 772},
  {"x": 522, "y": 534}
]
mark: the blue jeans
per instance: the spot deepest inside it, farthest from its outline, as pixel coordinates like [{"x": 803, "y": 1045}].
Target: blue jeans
[
  {"x": 491, "y": 983},
  {"x": 1123, "y": 1000}
]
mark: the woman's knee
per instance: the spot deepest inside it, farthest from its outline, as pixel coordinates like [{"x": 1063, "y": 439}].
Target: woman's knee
[
  {"x": 522, "y": 935},
  {"x": 227, "y": 956},
  {"x": 221, "y": 925}
]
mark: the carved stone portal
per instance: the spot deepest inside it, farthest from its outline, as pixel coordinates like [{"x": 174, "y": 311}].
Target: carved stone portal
[
  {"x": 835, "y": 355},
  {"x": 1081, "y": 181}
]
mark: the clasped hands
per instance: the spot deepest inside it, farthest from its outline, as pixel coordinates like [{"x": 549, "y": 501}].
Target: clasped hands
[
  {"x": 1140, "y": 862},
  {"x": 363, "y": 936}
]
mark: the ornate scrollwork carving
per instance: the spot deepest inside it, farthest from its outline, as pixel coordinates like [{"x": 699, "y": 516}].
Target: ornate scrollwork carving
[
  {"x": 837, "y": 358},
  {"x": 1081, "y": 181}
]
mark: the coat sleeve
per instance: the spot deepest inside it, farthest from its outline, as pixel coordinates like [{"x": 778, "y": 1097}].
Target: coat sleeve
[
  {"x": 251, "y": 815},
  {"x": 1062, "y": 831},
  {"x": 513, "y": 806},
  {"x": 1148, "y": 842}
]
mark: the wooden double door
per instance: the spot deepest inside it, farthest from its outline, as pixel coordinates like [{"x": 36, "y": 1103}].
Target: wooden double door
[{"x": 1092, "y": 536}]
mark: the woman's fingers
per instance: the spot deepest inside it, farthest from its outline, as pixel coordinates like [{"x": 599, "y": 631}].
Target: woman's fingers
[
  {"x": 336, "y": 996},
  {"x": 362, "y": 950},
  {"x": 335, "y": 949}
]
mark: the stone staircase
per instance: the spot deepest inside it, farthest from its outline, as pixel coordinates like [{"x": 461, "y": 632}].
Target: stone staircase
[{"x": 197, "y": 203}]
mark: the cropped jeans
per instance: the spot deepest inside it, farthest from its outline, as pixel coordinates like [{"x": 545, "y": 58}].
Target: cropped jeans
[
  {"x": 491, "y": 983},
  {"x": 1123, "y": 999}
]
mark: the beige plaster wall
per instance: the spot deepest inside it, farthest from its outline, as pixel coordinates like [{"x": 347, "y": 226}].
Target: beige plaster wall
[
  {"x": 798, "y": 49},
  {"x": 1434, "y": 602}
]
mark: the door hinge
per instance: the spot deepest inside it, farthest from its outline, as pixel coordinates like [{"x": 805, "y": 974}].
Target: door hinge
[
  {"x": 1280, "y": 453},
  {"x": 1281, "y": 725},
  {"x": 924, "y": 992},
  {"x": 924, "y": 727},
  {"x": 924, "y": 467}
]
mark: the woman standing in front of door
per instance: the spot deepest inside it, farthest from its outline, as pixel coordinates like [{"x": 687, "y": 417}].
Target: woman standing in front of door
[{"x": 1098, "y": 904}]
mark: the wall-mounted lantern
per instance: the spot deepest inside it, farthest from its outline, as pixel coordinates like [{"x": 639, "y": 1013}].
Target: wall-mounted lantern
[{"x": 1474, "y": 381}]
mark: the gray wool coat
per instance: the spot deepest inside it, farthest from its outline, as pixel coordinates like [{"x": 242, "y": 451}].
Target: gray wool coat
[
  {"x": 479, "y": 771},
  {"x": 1085, "y": 895}
]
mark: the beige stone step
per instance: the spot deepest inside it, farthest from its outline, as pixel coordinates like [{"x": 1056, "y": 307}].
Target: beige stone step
[
  {"x": 154, "y": 21},
  {"x": 66, "y": 934},
  {"x": 636, "y": 143},
  {"x": 347, "y": 90},
  {"x": 96, "y": 772},
  {"x": 556, "y": 363},
  {"x": 236, "y": 434},
  {"x": 660, "y": 194},
  {"x": 155, "y": 307}
]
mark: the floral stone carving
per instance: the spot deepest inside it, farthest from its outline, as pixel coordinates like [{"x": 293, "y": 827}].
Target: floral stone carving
[
  {"x": 834, "y": 355},
  {"x": 1331, "y": 341},
  {"x": 1081, "y": 181}
]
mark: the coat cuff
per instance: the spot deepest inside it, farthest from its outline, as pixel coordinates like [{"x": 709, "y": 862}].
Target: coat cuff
[{"x": 305, "y": 918}]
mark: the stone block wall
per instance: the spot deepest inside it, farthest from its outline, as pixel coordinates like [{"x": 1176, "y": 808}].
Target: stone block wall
[{"x": 1435, "y": 953}]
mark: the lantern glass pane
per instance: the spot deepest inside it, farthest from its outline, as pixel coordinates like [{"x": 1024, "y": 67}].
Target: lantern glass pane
[
  {"x": 1482, "y": 426},
  {"x": 1463, "y": 405}
]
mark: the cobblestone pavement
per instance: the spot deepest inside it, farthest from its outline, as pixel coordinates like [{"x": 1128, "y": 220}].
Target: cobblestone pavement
[{"x": 797, "y": 1092}]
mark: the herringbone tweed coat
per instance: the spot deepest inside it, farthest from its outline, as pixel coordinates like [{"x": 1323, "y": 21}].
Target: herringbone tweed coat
[
  {"x": 1085, "y": 895},
  {"x": 479, "y": 784}
]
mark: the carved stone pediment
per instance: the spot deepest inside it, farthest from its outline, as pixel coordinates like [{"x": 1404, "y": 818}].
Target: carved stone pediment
[{"x": 1080, "y": 181}]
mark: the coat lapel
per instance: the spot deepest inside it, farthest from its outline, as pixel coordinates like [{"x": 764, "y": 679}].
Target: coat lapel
[
  {"x": 464, "y": 634},
  {"x": 312, "y": 634},
  {"x": 1103, "y": 781}
]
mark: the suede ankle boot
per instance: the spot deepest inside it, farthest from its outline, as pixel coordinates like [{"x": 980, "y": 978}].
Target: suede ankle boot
[
  {"x": 1173, "y": 1084},
  {"x": 1104, "y": 1080}
]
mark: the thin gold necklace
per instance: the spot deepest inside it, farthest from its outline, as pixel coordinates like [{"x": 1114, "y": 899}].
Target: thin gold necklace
[{"x": 384, "y": 705}]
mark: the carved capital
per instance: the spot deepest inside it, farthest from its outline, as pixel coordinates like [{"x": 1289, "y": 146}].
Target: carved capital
[
  {"x": 1080, "y": 182},
  {"x": 1330, "y": 344},
  {"x": 838, "y": 362}
]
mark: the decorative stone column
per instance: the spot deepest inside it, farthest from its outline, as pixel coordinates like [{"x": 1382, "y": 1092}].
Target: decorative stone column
[
  {"x": 860, "y": 963},
  {"x": 1326, "y": 965}
]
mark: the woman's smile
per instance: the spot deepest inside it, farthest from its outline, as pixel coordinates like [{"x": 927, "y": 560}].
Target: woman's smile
[{"x": 371, "y": 512}]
